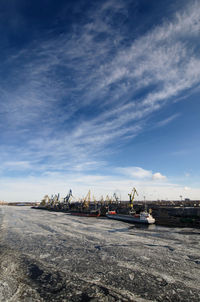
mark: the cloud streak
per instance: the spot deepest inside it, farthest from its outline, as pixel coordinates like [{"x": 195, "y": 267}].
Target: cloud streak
[
  {"x": 139, "y": 173},
  {"x": 167, "y": 120},
  {"x": 71, "y": 98}
]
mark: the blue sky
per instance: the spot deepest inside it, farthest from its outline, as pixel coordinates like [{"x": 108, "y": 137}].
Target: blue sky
[{"x": 100, "y": 95}]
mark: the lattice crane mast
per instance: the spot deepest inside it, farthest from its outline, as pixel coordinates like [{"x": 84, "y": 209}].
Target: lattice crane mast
[
  {"x": 87, "y": 199},
  {"x": 67, "y": 198},
  {"x": 132, "y": 196}
]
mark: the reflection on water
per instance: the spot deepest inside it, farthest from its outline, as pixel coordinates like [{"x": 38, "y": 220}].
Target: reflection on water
[
  {"x": 133, "y": 227},
  {"x": 143, "y": 226}
]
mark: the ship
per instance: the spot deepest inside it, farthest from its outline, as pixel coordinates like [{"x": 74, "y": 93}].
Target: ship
[
  {"x": 85, "y": 208},
  {"x": 89, "y": 213},
  {"x": 131, "y": 216},
  {"x": 144, "y": 217}
]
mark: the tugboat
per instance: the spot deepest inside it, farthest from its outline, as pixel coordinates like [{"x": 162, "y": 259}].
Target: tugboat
[{"x": 143, "y": 217}]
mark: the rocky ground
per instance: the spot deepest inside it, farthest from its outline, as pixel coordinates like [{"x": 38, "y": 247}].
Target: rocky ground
[{"x": 47, "y": 256}]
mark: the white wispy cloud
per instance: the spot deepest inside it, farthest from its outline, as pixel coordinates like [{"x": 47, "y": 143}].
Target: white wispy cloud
[
  {"x": 136, "y": 172},
  {"x": 140, "y": 173},
  {"x": 168, "y": 120},
  {"x": 17, "y": 165},
  {"x": 69, "y": 98},
  {"x": 158, "y": 176}
]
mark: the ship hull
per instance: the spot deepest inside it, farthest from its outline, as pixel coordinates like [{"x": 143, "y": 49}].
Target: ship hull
[
  {"x": 85, "y": 214},
  {"x": 130, "y": 218}
]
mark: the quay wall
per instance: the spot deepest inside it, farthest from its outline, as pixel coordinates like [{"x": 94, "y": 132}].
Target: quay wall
[{"x": 177, "y": 216}]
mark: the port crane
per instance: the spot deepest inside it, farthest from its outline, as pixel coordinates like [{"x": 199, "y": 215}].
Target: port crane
[
  {"x": 45, "y": 201},
  {"x": 54, "y": 200},
  {"x": 66, "y": 201},
  {"x": 67, "y": 198},
  {"x": 108, "y": 200},
  {"x": 87, "y": 199},
  {"x": 132, "y": 196},
  {"x": 116, "y": 198},
  {"x": 102, "y": 200}
]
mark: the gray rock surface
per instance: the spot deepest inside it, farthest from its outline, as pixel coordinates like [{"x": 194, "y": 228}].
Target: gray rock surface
[{"x": 47, "y": 256}]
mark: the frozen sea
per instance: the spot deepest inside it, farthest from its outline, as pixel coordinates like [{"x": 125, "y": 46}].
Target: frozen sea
[{"x": 51, "y": 256}]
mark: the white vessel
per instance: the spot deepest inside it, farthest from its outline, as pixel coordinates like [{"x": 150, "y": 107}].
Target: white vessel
[
  {"x": 143, "y": 217},
  {"x": 131, "y": 216}
]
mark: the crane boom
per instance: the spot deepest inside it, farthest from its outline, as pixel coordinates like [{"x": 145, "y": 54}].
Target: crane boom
[
  {"x": 132, "y": 196},
  {"x": 86, "y": 201}
]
